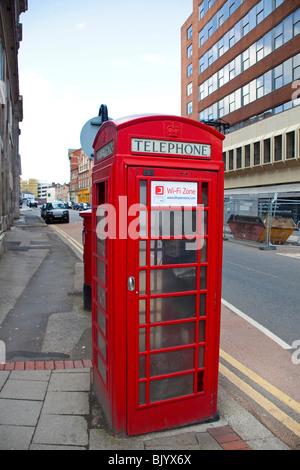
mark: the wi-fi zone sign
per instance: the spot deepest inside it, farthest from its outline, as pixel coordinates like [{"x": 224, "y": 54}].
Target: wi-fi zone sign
[{"x": 174, "y": 193}]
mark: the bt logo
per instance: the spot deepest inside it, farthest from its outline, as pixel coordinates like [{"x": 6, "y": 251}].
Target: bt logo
[{"x": 159, "y": 190}]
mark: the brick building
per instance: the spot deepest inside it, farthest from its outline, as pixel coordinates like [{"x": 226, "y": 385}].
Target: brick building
[
  {"x": 241, "y": 65},
  {"x": 80, "y": 176}
]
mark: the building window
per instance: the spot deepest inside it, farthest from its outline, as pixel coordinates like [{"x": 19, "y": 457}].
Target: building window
[
  {"x": 290, "y": 145},
  {"x": 190, "y": 107},
  {"x": 260, "y": 87},
  {"x": 278, "y": 77},
  {"x": 256, "y": 153},
  {"x": 278, "y": 36},
  {"x": 189, "y": 32},
  {"x": 224, "y": 160},
  {"x": 239, "y": 158},
  {"x": 189, "y": 70},
  {"x": 230, "y": 161},
  {"x": 246, "y": 94},
  {"x": 247, "y": 156},
  {"x": 190, "y": 51},
  {"x": 296, "y": 67},
  {"x": 278, "y": 148},
  {"x": 190, "y": 89},
  {"x": 267, "y": 150}
]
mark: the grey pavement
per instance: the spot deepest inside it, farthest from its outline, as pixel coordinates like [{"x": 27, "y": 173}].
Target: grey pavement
[{"x": 56, "y": 409}]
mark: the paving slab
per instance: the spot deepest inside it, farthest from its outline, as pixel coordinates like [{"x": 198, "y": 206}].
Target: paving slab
[
  {"x": 66, "y": 403},
  {"x": 24, "y": 389},
  {"x": 61, "y": 430},
  {"x": 73, "y": 381},
  {"x": 40, "y": 375},
  {"x": 15, "y": 437},
  {"x": 99, "y": 439},
  {"x": 20, "y": 412}
]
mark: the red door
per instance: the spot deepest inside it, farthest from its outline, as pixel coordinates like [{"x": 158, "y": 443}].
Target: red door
[{"x": 172, "y": 323}]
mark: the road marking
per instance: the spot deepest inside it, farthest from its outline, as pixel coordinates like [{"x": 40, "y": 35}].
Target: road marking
[
  {"x": 272, "y": 409},
  {"x": 250, "y": 269},
  {"x": 291, "y": 255},
  {"x": 71, "y": 240},
  {"x": 257, "y": 325},
  {"x": 290, "y": 402}
]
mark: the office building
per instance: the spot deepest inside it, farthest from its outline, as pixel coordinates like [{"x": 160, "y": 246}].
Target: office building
[{"x": 241, "y": 72}]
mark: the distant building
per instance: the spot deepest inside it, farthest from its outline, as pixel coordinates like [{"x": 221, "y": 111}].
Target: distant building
[
  {"x": 241, "y": 66},
  {"x": 62, "y": 192},
  {"x": 80, "y": 176},
  {"x": 11, "y": 112},
  {"x": 30, "y": 185}
]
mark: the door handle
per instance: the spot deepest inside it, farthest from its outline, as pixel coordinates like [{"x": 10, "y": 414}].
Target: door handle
[{"x": 131, "y": 283}]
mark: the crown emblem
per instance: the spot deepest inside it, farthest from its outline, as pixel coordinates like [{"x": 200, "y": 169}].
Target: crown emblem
[
  {"x": 104, "y": 136},
  {"x": 173, "y": 130}
]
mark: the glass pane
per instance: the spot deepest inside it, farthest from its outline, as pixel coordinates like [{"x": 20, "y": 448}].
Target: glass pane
[
  {"x": 142, "y": 282},
  {"x": 168, "y": 336},
  {"x": 142, "y": 393},
  {"x": 166, "y": 223},
  {"x": 143, "y": 246},
  {"x": 204, "y": 196},
  {"x": 101, "y": 247},
  {"x": 203, "y": 250},
  {"x": 172, "y": 308},
  {"x": 143, "y": 193},
  {"x": 101, "y": 346},
  {"x": 101, "y": 368},
  {"x": 172, "y": 361},
  {"x": 142, "y": 311},
  {"x": 143, "y": 223},
  {"x": 142, "y": 367},
  {"x": 201, "y": 356},
  {"x": 201, "y": 331},
  {"x": 101, "y": 271},
  {"x": 171, "y": 387},
  {"x": 171, "y": 252},
  {"x": 202, "y": 305},
  {"x": 101, "y": 321},
  {"x": 101, "y": 296},
  {"x": 142, "y": 339},
  {"x": 203, "y": 277},
  {"x": 173, "y": 280}
]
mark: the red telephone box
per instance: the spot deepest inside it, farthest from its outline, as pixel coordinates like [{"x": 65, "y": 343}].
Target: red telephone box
[{"x": 156, "y": 290}]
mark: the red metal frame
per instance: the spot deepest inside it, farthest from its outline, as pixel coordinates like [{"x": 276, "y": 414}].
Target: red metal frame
[{"x": 116, "y": 352}]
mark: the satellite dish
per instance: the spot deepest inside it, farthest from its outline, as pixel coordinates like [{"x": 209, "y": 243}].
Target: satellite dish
[{"x": 90, "y": 130}]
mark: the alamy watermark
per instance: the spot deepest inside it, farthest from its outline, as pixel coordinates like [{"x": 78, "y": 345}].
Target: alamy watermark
[
  {"x": 185, "y": 223},
  {"x": 296, "y": 94},
  {"x": 296, "y": 353},
  {"x": 2, "y": 352}
]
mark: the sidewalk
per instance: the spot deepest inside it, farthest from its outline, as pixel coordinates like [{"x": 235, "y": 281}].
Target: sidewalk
[{"x": 49, "y": 404}]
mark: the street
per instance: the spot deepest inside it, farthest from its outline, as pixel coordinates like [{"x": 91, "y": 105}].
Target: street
[
  {"x": 265, "y": 286},
  {"x": 254, "y": 368}
]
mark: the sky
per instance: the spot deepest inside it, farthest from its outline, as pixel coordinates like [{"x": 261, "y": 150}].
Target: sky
[{"x": 78, "y": 54}]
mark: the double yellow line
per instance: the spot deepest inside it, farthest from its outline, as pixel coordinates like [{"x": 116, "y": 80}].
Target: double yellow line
[
  {"x": 78, "y": 246},
  {"x": 272, "y": 409}
]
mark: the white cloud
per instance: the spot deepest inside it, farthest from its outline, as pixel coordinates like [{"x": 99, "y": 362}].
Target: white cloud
[{"x": 80, "y": 26}]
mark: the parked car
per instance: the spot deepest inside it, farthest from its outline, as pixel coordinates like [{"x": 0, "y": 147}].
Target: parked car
[
  {"x": 83, "y": 206},
  {"x": 43, "y": 207},
  {"x": 33, "y": 203},
  {"x": 55, "y": 211}
]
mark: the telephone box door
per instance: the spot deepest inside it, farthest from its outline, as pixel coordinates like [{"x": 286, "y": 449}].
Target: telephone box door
[{"x": 173, "y": 289}]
